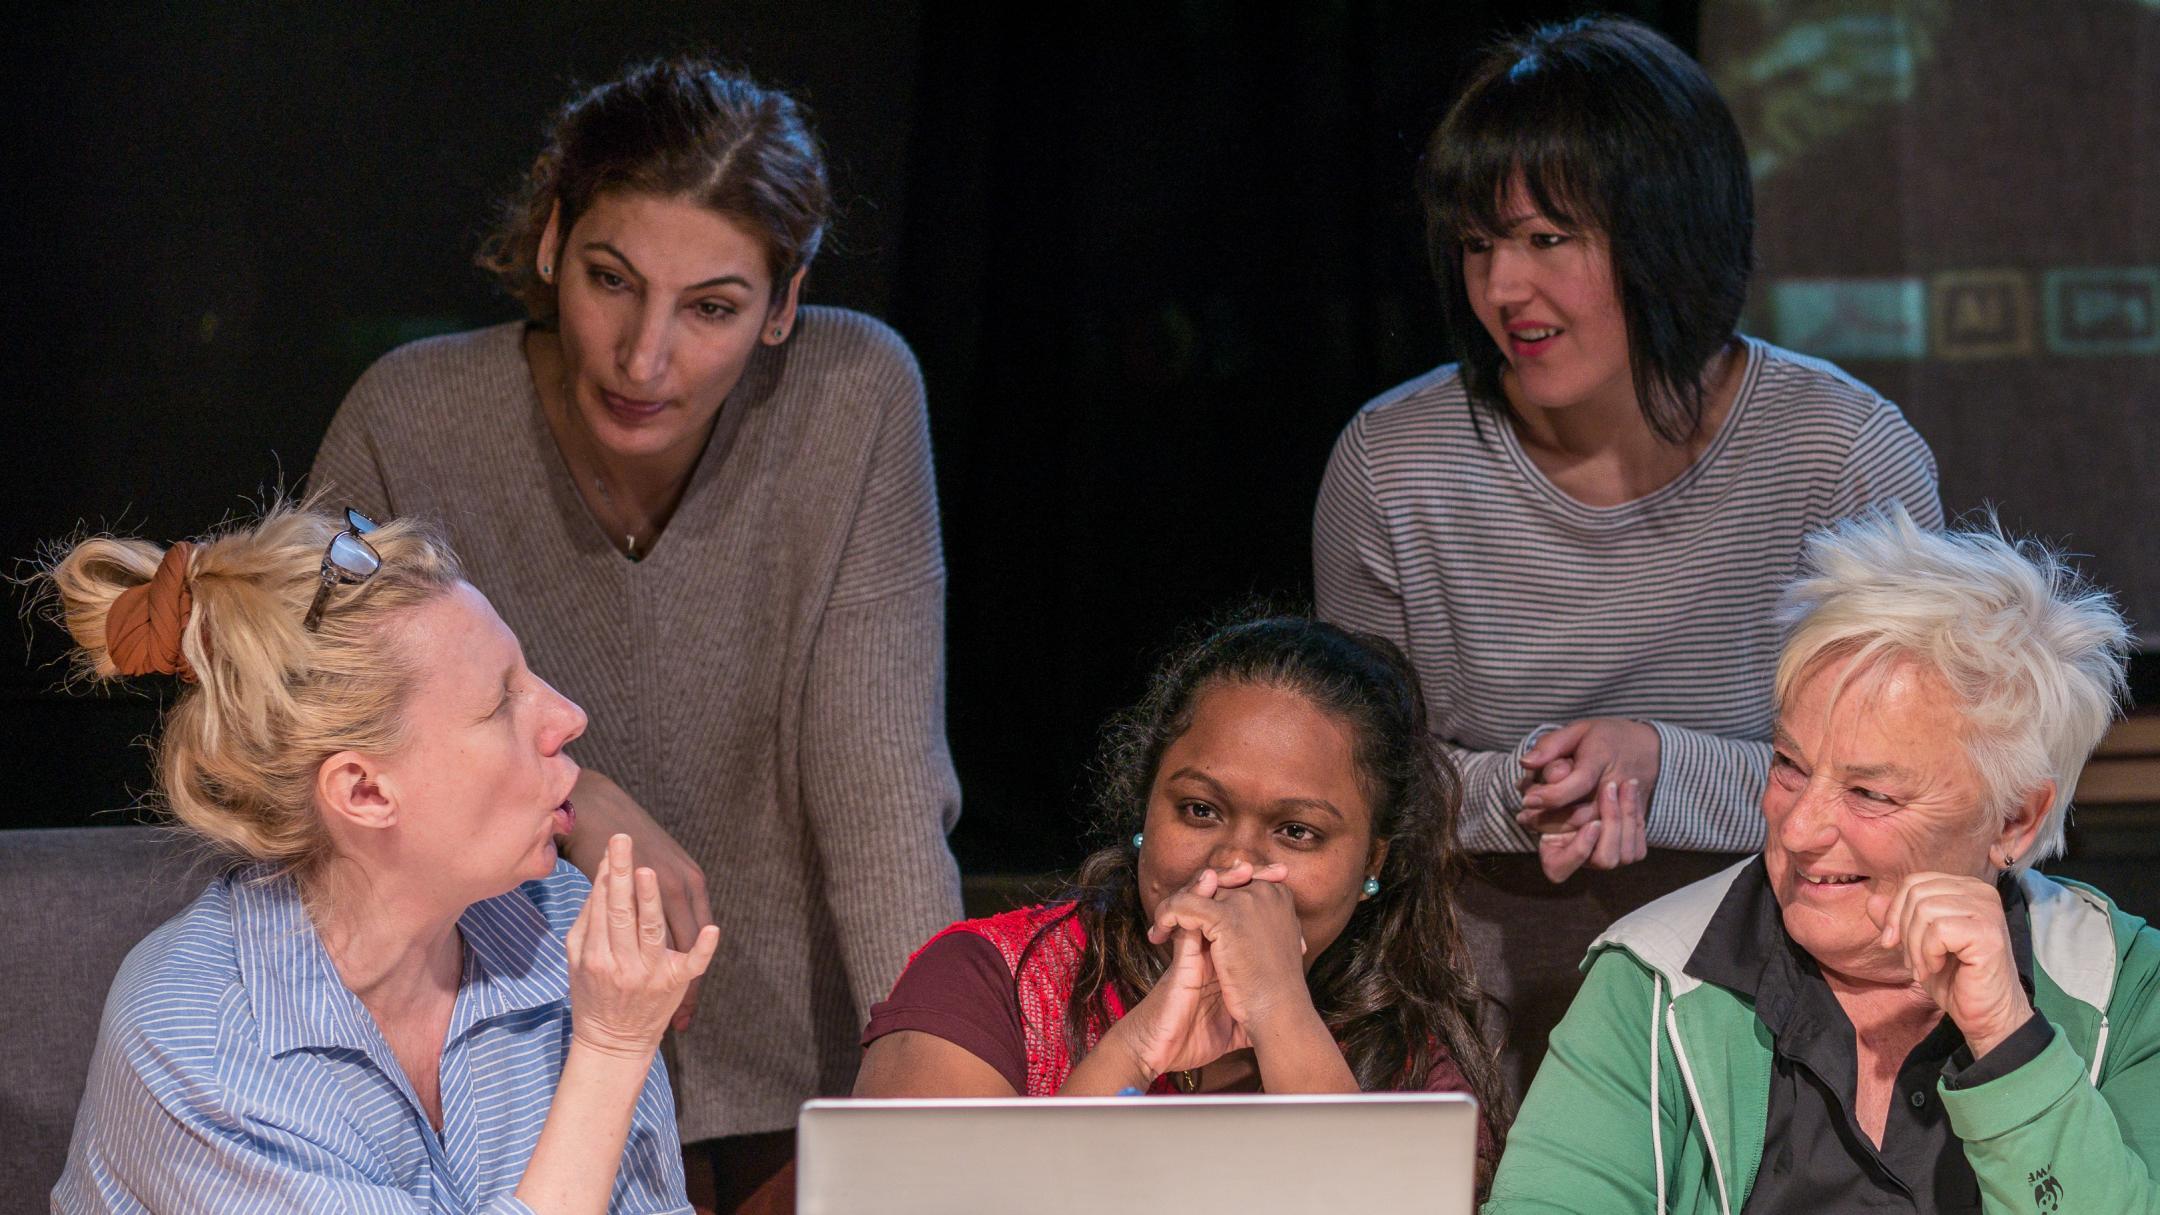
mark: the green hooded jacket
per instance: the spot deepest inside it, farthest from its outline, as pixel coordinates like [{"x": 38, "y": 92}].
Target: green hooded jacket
[{"x": 2075, "y": 1130}]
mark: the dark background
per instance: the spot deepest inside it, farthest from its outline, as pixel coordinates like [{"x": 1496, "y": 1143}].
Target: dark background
[{"x": 1152, "y": 258}]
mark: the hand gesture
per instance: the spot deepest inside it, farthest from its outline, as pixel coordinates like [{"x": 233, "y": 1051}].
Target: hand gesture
[
  {"x": 1250, "y": 926},
  {"x": 604, "y": 810},
  {"x": 1611, "y": 835},
  {"x": 624, "y": 980},
  {"x": 1182, "y": 1022},
  {"x": 1952, "y": 933},
  {"x": 1598, "y": 771}
]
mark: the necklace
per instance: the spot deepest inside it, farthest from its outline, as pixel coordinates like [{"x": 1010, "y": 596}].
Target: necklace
[
  {"x": 1188, "y": 1081},
  {"x": 606, "y": 506},
  {"x": 573, "y": 443},
  {"x": 629, "y": 540}
]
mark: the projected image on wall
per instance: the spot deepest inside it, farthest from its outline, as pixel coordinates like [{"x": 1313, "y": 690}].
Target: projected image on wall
[{"x": 1959, "y": 201}]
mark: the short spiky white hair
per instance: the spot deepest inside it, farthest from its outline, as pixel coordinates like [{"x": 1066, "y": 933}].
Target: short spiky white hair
[{"x": 2035, "y": 654}]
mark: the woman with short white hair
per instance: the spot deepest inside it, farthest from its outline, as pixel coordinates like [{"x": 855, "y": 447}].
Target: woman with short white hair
[{"x": 1888, "y": 1009}]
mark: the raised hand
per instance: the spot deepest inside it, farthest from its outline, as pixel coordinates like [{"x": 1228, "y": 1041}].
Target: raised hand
[
  {"x": 625, "y": 982},
  {"x": 603, "y": 811},
  {"x": 1951, "y": 932}
]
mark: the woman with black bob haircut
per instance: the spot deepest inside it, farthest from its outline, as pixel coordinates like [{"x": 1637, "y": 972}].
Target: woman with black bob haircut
[
  {"x": 1608, "y": 131},
  {"x": 1272, "y": 912},
  {"x": 708, "y": 509},
  {"x": 1576, "y": 532}
]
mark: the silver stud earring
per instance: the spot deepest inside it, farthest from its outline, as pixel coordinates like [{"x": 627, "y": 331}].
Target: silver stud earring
[
  {"x": 778, "y": 333},
  {"x": 1137, "y": 836},
  {"x": 1372, "y": 886}
]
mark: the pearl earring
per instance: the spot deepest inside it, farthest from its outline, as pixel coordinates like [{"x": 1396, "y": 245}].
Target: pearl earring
[
  {"x": 1372, "y": 886},
  {"x": 1137, "y": 836}
]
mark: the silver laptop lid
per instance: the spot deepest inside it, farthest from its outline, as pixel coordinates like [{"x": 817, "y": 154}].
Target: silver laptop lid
[{"x": 1268, "y": 1155}]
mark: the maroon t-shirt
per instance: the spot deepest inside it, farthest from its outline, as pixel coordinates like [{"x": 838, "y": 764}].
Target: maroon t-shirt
[{"x": 959, "y": 989}]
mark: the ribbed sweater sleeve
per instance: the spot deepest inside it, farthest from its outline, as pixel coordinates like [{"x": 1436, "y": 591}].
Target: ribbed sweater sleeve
[
  {"x": 348, "y": 467},
  {"x": 877, "y": 779},
  {"x": 1356, "y": 585}
]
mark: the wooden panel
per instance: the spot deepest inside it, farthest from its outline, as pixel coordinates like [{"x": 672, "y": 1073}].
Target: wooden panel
[
  {"x": 2119, "y": 780},
  {"x": 2138, "y": 734}
]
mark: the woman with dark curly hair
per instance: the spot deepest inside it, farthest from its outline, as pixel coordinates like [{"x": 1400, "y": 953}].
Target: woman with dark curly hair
[
  {"x": 708, "y": 509},
  {"x": 1274, "y": 913}
]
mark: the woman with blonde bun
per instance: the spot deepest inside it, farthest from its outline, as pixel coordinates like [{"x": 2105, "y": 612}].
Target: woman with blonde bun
[{"x": 398, "y": 998}]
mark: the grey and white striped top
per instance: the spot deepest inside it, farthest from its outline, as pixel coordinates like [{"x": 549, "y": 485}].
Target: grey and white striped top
[
  {"x": 1523, "y": 608},
  {"x": 236, "y": 1073}
]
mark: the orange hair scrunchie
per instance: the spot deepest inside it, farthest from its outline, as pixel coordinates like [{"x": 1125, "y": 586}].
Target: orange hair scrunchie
[{"x": 144, "y": 624}]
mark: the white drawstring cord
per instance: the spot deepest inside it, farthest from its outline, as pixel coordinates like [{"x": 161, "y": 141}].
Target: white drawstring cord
[
  {"x": 1657, "y": 1134},
  {"x": 1687, "y": 1074}
]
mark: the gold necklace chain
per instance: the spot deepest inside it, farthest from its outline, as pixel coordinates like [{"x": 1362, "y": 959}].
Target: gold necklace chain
[{"x": 569, "y": 426}]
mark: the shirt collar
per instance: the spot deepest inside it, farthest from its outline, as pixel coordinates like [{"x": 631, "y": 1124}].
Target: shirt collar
[
  {"x": 298, "y": 999},
  {"x": 513, "y": 963}
]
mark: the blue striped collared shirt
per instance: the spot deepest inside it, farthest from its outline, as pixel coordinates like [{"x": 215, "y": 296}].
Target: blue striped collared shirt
[{"x": 235, "y": 1073}]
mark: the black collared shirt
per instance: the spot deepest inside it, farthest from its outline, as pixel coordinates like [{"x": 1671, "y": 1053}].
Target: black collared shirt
[{"x": 1815, "y": 1156}]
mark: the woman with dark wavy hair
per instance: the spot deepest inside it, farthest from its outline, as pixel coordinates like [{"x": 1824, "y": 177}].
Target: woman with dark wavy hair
[{"x": 1272, "y": 914}]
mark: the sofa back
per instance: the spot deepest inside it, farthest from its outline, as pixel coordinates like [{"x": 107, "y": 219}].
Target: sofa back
[{"x": 72, "y": 904}]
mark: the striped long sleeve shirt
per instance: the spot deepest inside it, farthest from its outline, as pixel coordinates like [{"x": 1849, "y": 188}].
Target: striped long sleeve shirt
[
  {"x": 235, "y": 1073},
  {"x": 1522, "y": 608}
]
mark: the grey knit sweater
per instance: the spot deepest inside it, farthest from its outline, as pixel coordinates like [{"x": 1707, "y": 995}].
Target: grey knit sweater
[{"x": 768, "y": 683}]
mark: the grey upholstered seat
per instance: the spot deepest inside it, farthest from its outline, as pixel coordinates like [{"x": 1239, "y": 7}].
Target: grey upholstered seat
[{"x": 72, "y": 903}]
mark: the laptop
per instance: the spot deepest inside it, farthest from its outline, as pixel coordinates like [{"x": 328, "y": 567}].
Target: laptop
[{"x": 1258, "y": 1154}]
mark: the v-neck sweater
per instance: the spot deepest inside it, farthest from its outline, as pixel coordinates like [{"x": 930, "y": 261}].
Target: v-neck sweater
[{"x": 768, "y": 682}]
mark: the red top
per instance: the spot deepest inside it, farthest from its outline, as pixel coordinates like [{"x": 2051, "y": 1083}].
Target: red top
[{"x": 965, "y": 986}]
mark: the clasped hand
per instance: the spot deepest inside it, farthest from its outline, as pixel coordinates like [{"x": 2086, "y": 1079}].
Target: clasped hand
[
  {"x": 1236, "y": 959},
  {"x": 625, "y": 982},
  {"x": 1586, "y": 794}
]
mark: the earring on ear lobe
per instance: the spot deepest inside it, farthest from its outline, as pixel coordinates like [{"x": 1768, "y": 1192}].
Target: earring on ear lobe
[
  {"x": 547, "y": 272},
  {"x": 778, "y": 333},
  {"x": 1137, "y": 836},
  {"x": 1372, "y": 886}
]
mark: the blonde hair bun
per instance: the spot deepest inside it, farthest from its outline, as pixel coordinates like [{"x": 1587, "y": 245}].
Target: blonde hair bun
[{"x": 238, "y": 751}]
